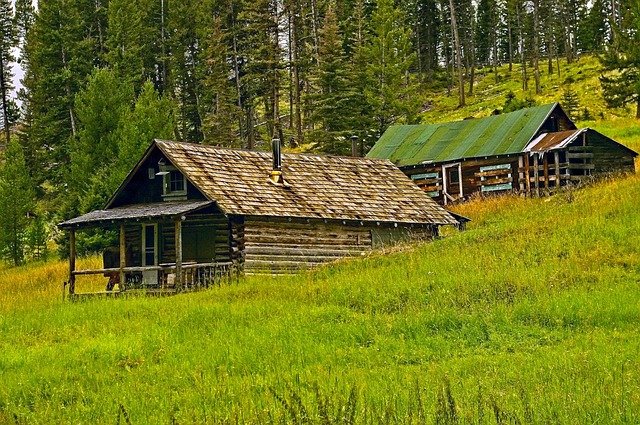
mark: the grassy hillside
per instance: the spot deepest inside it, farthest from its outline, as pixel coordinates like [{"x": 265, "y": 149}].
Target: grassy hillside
[
  {"x": 528, "y": 317},
  {"x": 490, "y": 95}
]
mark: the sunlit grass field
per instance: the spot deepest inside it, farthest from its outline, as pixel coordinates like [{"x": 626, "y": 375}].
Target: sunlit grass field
[{"x": 531, "y": 316}]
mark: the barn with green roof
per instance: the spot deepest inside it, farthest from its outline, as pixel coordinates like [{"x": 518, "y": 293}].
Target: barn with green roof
[{"x": 533, "y": 150}]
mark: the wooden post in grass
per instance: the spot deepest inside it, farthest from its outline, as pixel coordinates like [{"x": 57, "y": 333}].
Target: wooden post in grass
[
  {"x": 556, "y": 158},
  {"x": 123, "y": 257},
  {"x": 178, "y": 232},
  {"x": 72, "y": 261}
]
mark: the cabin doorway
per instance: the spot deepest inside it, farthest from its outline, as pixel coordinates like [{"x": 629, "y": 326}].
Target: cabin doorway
[
  {"x": 150, "y": 253},
  {"x": 452, "y": 182}
]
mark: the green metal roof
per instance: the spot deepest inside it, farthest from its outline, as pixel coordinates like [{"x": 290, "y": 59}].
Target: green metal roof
[{"x": 495, "y": 135}]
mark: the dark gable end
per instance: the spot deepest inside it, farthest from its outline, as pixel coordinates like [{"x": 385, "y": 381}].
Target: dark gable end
[{"x": 144, "y": 184}]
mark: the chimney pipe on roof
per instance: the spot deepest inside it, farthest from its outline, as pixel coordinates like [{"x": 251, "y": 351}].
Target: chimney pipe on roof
[
  {"x": 276, "y": 172},
  {"x": 354, "y": 145}
]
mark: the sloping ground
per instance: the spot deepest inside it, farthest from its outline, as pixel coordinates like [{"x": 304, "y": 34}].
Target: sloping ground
[{"x": 531, "y": 316}]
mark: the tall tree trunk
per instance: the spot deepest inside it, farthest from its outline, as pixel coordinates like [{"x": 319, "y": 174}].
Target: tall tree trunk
[
  {"x": 525, "y": 82},
  {"x": 236, "y": 69},
  {"x": 509, "y": 31},
  {"x": 536, "y": 47},
  {"x": 418, "y": 50},
  {"x": 314, "y": 29},
  {"x": 276, "y": 77},
  {"x": 5, "y": 95},
  {"x": 296, "y": 76},
  {"x": 495, "y": 56},
  {"x": 163, "y": 42},
  {"x": 456, "y": 41}
]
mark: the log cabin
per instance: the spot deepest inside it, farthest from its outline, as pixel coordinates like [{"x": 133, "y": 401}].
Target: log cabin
[
  {"x": 188, "y": 214},
  {"x": 532, "y": 151}
]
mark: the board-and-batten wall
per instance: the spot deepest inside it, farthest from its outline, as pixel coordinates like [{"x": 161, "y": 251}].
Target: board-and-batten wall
[{"x": 279, "y": 247}]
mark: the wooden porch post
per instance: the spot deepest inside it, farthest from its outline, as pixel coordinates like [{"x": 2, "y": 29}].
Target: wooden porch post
[
  {"x": 536, "y": 173},
  {"x": 72, "y": 261},
  {"x": 527, "y": 171},
  {"x": 521, "y": 173},
  {"x": 123, "y": 257},
  {"x": 178, "y": 231},
  {"x": 556, "y": 158},
  {"x": 545, "y": 160},
  {"x": 444, "y": 185}
]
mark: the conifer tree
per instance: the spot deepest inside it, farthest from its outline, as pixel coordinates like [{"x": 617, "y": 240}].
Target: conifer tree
[
  {"x": 24, "y": 17},
  {"x": 59, "y": 55},
  {"x": 390, "y": 57},
  {"x": 621, "y": 77},
  {"x": 221, "y": 114},
  {"x": 96, "y": 146},
  {"x": 8, "y": 39},
  {"x": 334, "y": 104},
  {"x": 125, "y": 42},
  {"x": 151, "y": 118},
  {"x": 16, "y": 201},
  {"x": 184, "y": 67}
]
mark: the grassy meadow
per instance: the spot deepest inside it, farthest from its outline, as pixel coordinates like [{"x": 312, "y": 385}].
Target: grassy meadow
[{"x": 529, "y": 317}]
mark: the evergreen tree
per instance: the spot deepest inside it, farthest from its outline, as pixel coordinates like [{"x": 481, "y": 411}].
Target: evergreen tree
[
  {"x": 8, "y": 39},
  {"x": 151, "y": 118},
  {"x": 24, "y": 18},
  {"x": 125, "y": 39},
  {"x": 96, "y": 146},
  {"x": 486, "y": 34},
  {"x": 59, "y": 55},
  {"x": 390, "y": 57},
  {"x": 260, "y": 77},
  {"x": 184, "y": 67},
  {"x": 569, "y": 100},
  {"x": 427, "y": 36},
  {"x": 37, "y": 236},
  {"x": 621, "y": 77},
  {"x": 221, "y": 114},
  {"x": 16, "y": 201}
]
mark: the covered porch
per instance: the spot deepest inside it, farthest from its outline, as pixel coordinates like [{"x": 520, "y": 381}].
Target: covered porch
[{"x": 162, "y": 248}]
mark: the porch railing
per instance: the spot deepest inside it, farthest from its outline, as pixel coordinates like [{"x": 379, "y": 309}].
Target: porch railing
[{"x": 193, "y": 276}]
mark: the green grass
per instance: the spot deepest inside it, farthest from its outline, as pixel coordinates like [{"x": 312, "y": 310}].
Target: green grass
[{"x": 528, "y": 317}]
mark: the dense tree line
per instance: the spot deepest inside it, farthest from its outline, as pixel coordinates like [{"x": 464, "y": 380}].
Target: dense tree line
[{"x": 104, "y": 77}]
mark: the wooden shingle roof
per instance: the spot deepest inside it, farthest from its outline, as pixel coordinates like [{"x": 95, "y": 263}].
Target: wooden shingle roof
[{"x": 324, "y": 187}]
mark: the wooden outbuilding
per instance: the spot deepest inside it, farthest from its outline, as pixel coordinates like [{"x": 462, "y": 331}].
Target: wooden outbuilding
[
  {"x": 533, "y": 151},
  {"x": 188, "y": 214}
]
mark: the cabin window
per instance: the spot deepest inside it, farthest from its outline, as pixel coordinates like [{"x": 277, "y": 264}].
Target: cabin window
[
  {"x": 174, "y": 185},
  {"x": 454, "y": 176}
]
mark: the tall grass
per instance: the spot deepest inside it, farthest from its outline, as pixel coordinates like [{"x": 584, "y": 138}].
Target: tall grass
[{"x": 528, "y": 317}]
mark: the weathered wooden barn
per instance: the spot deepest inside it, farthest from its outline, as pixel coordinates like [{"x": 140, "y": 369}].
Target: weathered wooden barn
[
  {"x": 532, "y": 151},
  {"x": 188, "y": 213}
]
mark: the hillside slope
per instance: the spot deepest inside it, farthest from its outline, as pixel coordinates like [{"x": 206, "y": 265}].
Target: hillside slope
[{"x": 528, "y": 317}]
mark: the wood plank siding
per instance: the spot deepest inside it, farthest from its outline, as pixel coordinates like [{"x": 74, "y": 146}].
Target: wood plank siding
[{"x": 282, "y": 246}]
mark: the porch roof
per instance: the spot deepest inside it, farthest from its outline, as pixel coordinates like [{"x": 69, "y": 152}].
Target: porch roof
[{"x": 135, "y": 212}]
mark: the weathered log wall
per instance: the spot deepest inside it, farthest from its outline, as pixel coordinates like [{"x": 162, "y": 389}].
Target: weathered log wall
[{"x": 280, "y": 247}]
